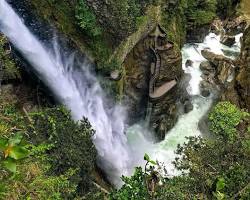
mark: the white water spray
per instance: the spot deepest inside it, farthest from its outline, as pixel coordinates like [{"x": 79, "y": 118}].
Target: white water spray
[
  {"x": 77, "y": 89},
  {"x": 80, "y": 92}
]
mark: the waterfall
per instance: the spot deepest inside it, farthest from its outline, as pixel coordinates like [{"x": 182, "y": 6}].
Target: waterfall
[{"x": 77, "y": 89}]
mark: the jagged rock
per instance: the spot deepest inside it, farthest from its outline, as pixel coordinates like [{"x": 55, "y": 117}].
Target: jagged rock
[
  {"x": 235, "y": 26},
  {"x": 214, "y": 58},
  {"x": 228, "y": 40},
  {"x": 242, "y": 83},
  {"x": 188, "y": 106},
  {"x": 206, "y": 66},
  {"x": 217, "y": 27},
  {"x": 189, "y": 63},
  {"x": 152, "y": 70}
]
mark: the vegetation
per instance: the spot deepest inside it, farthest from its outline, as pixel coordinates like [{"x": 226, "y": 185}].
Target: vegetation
[
  {"x": 200, "y": 12},
  {"x": 214, "y": 168},
  {"x": 8, "y": 69},
  {"x": 87, "y": 20},
  {"x": 42, "y": 155}
]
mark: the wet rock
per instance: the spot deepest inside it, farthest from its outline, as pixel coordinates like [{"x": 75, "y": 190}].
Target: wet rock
[
  {"x": 205, "y": 93},
  {"x": 235, "y": 26},
  {"x": 189, "y": 63},
  {"x": 217, "y": 27},
  {"x": 228, "y": 40},
  {"x": 196, "y": 34},
  {"x": 214, "y": 58},
  {"x": 188, "y": 106},
  {"x": 206, "y": 66}
]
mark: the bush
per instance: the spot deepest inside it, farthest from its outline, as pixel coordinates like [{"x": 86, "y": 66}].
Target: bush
[
  {"x": 87, "y": 20},
  {"x": 224, "y": 118},
  {"x": 8, "y": 68},
  {"x": 200, "y": 12},
  {"x": 212, "y": 168},
  {"x": 72, "y": 144}
]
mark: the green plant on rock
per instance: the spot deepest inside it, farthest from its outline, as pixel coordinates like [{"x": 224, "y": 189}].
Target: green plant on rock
[
  {"x": 87, "y": 19},
  {"x": 224, "y": 118}
]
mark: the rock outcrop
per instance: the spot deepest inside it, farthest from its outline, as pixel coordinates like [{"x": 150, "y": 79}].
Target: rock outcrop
[
  {"x": 153, "y": 69},
  {"x": 242, "y": 82}
]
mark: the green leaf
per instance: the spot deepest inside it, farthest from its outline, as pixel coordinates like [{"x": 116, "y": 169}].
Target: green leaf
[
  {"x": 10, "y": 164},
  {"x": 220, "y": 184},
  {"x": 146, "y": 157},
  {"x": 153, "y": 162},
  {"x": 3, "y": 144},
  {"x": 16, "y": 139},
  {"x": 18, "y": 153}
]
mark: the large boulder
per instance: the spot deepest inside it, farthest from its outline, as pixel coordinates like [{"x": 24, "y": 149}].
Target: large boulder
[
  {"x": 228, "y": 40},
  {"x": 206, "y": 66},
  {"x": 215, "y": 59}
]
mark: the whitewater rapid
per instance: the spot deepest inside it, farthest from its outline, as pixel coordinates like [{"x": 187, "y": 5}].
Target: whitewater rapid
[
  {"x": 187, "y": 124},
  {"x": 79, "y": 90}
]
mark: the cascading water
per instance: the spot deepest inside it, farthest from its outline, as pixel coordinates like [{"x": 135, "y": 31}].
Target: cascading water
[
  {"x": 187, "y": 125},
  {"x": 79, "y": 90}
]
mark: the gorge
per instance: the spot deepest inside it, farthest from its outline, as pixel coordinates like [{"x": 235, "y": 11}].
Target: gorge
[{"x": 167, "y": 88}]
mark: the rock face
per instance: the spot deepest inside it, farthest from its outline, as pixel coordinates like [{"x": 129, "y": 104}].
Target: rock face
[
  {"x": 197, "y": 33},
  {"x": 155, "y": 66},
  {"x": 242, "y": 82},
  {"x": 218, "y": 74},
  {"x": 231, "y": 76}
]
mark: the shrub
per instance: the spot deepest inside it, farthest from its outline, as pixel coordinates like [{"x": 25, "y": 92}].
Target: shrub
[
  {"x": 224, "y": 118},
  {"x": 8, "y": 68},
  {"x": 87, "y": 20},
  {"x": 201, "y": 11},
  {"x": 72, "y": 144}
]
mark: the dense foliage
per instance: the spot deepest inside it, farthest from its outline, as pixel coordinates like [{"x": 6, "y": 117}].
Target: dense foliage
[
  {"x": 8, "y": 69},
  {"x": 45, "y": 154},
  {"x": 213, "y": 168},
  {"x": 200, "y": 12}
]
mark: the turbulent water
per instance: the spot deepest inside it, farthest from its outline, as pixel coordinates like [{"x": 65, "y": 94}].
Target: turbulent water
[
  {"x": 187, "y": 124},
  {"x": 79, "y": 90}
]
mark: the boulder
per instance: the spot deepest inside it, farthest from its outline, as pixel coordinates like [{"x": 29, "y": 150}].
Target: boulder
[
  {"x": 215, "y": 59},
  {"x": 188, "y": 106},
  {"x": 189, "y": 63},
  {"x": 205, "y": 93},
  {"x": 206, "y": 66},
  {"x": 228, "y": 40}
]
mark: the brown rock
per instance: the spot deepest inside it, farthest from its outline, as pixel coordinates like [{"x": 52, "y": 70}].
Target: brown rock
[{"x": 228, "y": 40}]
